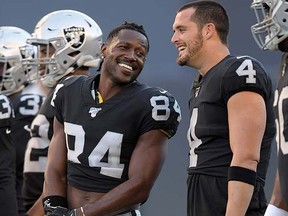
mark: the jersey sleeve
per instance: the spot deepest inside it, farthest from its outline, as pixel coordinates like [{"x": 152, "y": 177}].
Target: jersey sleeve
[
  {"x": 56, "y": 102},
  {"x": 60, "y": 93},
  {"x": 163, "y": 113},
  {"x": 246, "y": 74}
]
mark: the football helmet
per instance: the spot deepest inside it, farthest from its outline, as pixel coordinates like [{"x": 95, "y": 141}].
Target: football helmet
[
  {"x": 13, "y": 49},
  {"x": 76, "y": 41},
  {"x": 272, "y": 23}
]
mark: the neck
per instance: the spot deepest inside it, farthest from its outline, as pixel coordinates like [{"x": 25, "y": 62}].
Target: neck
[{"x": 213, "y": 58}]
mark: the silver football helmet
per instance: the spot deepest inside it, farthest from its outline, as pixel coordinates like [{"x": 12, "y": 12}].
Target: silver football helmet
[
  {"x": 76, "y": 41},
  {"x": 272, "y": 23},
  {"x": 13, "y": 49}
]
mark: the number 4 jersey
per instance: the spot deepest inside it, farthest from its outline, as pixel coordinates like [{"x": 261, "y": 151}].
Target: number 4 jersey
[
  {"x": 102, "y": 136},
  {"x": 209, "y": 133}
]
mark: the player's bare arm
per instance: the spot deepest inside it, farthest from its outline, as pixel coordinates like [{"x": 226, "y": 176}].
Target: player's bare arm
[
  {"x": 247, "y": 117},
  {"x": 55, "y": 174}
]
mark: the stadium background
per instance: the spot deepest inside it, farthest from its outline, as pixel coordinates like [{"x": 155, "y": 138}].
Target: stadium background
[{"x": 168, "y": 196}]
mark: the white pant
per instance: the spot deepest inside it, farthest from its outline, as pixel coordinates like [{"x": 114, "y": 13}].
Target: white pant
[{"x": 133, "y": 213}]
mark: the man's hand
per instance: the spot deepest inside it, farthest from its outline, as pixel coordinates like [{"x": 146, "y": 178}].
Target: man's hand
[{"x": 61, "y": 211}]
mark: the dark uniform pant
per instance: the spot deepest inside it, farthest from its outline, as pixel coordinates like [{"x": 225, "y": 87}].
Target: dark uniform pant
[{"x": 207, "y": 196}]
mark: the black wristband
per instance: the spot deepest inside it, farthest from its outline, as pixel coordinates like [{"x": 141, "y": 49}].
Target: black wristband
[
  {"x": 51, "y": 202},
  {"x": 242, "y": 174}
]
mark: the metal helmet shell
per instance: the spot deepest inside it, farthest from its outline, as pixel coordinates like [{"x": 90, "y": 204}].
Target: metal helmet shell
[
  {"x": 14, "y": 49},
  {"x": 76, "y": 39},
  {"x": 272, "y": 23}
]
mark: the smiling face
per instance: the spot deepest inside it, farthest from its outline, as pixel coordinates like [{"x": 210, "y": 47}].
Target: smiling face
[
  {"x": 187, "y": 38},
  {"x": 124, "y": 56}
]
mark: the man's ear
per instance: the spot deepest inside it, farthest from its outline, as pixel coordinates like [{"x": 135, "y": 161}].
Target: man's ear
[
  {"x": 103, "y": 50},
  {"x": 208, "y": 30}
]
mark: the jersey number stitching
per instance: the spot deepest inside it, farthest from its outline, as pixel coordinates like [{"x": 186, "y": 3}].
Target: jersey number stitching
[{"x": 246, "y": 69}]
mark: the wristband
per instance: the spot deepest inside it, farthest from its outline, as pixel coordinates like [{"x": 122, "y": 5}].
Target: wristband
[
  {"x": 275, "y": 211},
  {"x": 236, "y": 173}
]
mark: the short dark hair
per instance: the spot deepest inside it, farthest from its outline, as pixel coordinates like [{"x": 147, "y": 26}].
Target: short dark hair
[
  {"x": 210, "y": 12},
  {"x": 131, "y": 26}
]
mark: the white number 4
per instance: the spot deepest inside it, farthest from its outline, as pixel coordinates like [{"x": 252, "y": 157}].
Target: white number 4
[{"x": 246, "y": 69}]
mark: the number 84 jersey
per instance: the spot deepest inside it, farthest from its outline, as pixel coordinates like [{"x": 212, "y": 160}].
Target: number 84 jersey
[{"x": 102, "y": 136}]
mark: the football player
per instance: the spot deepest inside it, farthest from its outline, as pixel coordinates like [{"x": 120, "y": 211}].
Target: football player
[
  {"x": 110, "y": 133},
  {"x": 271, "y": 33},
  {"x": 232, "y": 122},
  {"x": 14, "y": 83},
  {"x": 68, "y": 43},
  {"x": 8, "y": 200}
]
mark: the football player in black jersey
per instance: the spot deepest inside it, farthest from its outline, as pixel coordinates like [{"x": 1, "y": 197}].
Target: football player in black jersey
[
  {"x": 232, "y": 122},
  {"x": 25, "y": 96},
  {"x": 271, "y": 33},
  {"x": 110, "y": 133},
  {"x": 8, "y": 200},
  {"x": 68, "y": 42}
]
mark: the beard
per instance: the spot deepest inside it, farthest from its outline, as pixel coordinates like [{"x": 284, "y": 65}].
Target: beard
[{"x": 186, "y": 58}]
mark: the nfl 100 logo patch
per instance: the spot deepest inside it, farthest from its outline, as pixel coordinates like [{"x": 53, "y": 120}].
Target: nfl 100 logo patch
[{"x": 93, "y": 111}]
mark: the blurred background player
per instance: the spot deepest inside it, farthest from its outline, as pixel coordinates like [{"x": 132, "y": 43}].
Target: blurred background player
[
  {"x": 8, "y": 199},
  {"x": 271, "y": 33},
  {"x": 13, "y": 83},
  {"x": 70, "y": 48}
]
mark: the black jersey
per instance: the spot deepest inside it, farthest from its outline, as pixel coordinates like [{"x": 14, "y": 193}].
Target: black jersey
[
  {"x": 8, "y": 201},
  {"x": 36, "y": 153},
  {"x": 102, "y": 136},
  {"x": 208, "y": 134},
  {"x": 26, "y": 106},
  {"x": 281, "y": 111}
]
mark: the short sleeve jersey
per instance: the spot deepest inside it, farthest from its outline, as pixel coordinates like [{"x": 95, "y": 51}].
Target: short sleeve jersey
[
  {"x": 7, "y": 159},
  {"x": 41, "y": 132},
  {"x": 102, "y": 136},
  {"x": 26, "y": 107},
  {"x": 281, "y": 111},
  {"x": 208, "y": 133}
]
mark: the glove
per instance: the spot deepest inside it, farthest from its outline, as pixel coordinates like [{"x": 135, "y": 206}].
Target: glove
[{"x": 61, "y": 211}]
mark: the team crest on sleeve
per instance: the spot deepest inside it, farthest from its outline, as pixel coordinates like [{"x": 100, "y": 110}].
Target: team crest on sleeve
[
  {"x": 75, "y": 36},
  {"x": 93, "y": 111}
]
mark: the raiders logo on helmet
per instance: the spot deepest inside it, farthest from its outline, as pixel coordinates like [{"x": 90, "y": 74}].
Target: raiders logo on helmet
[{"x": 75, "y": 36}]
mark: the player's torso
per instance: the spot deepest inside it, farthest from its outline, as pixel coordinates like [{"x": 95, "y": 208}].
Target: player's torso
[
  {"x": 281, "y": 112},
  {"x": 101, "y": 137},
  {"x": 26, "y": 106},
  {"x": 208, "y": 134},
  {"x": 41, "y": 132}
]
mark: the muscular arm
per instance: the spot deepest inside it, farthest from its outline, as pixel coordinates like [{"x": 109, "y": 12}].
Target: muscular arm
[
  {"x": 55, "y": 173},
  {"x": 247, "y": 121},
  {"x": 145, "y": 165}
]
